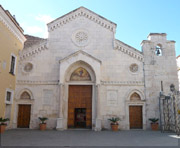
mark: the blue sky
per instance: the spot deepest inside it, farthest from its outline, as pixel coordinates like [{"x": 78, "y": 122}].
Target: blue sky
[{"x": 135, "y": 19}]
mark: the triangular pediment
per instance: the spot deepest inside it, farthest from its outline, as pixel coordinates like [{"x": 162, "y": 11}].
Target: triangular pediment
[
  {"x": 81, "y": 12},
  {"x": 79, "y": 53}
]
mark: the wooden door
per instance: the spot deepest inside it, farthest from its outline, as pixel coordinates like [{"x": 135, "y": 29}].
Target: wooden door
[
  {"x": 24, "y": 116},
  {"x": 80, "y": 97},
  {"x": 135, "y": 117}
]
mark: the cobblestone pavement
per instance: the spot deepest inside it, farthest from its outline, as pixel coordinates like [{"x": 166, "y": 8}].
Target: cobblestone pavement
[{"x": 87, "y": 138}]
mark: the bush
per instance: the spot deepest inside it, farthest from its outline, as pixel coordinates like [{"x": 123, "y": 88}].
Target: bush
[
  {"x": 43, "y": 119},
  {"x": 153, "y": 120}
]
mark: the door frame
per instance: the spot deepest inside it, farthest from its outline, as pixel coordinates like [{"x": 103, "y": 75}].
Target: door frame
[
  {"x": 30, "y": 114},
  {"x": 16, "y": 110},
  {"x": 66, "y": 98},
  {"x": 138, "y": 103},
  {"x": 141, "y": 115}
]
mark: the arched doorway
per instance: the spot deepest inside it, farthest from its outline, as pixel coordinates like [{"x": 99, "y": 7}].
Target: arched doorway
[
  {"x": 24, "y": 111},
  {"x": 80, "y": 99},
  {"x": 67, "y": 66},
  {"x": 135, "y": 112}
]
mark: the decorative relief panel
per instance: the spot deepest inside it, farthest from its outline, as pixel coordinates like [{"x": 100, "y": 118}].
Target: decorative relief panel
[
  {"x": 80, "y": 74},
  {"x": 112, "y": 98},
  {"x": 135, "y": 97},
  {"x": 28, "y": 67},
  {"x": 47, "y": 96},
  {"x": 80, "y": 37},
  {"x": 25, "y": 95},
  {"x": 134, "y": 68}
]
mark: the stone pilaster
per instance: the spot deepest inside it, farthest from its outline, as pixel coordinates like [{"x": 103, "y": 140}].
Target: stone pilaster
[
  {"x": 60, "y": 125},
  {"x": 98, "y": 105}
]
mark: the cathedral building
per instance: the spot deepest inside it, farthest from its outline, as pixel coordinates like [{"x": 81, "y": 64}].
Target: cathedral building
[{"x": 80, "y": 76}]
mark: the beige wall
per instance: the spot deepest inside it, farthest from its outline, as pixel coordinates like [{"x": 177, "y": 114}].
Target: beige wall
[{"x": 9, "y": 44}]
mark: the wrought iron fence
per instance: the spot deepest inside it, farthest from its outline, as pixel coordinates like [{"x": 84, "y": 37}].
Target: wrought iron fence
[{"x": 169, "y": 108}]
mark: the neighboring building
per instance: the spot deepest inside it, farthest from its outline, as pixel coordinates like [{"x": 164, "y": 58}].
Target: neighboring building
[
  {"x": 178, "y": 66},
  {"x": 11, "y": 42},
  {"x": 81, "y": 75}
]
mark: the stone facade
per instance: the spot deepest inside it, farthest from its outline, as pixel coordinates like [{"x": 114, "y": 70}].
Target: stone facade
[
  {"x": 178, "y": 65},
  {"x": 118, "y": 71}
]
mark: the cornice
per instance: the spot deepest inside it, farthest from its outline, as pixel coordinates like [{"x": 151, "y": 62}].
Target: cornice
[
  {"x": 132, "y": 52},
  {"x": 85, "y": 13},
  {"x": 33, "y": 50},
  {"x": 28, "y": 82},
  {"x": 123, "y": 83},
  {"x": 11, "y": 26}
]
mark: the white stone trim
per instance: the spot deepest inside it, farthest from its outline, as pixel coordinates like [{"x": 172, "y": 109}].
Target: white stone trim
[
  {"x": 139, "y": 92},
  {"x": 141, "y": 102},
  {"x": 12, "y": 96},
  {"x": 129, "y": 51},
  {"x": 81, "y": 12},
  {"x": 29, "y": 82},
  {"x": 21, "y": 102},
  {"x": 18, "y": 95},
  {"x": 123, "y": 83},
  {"x": 11, "y": 26},
  {"x": 138, "y": 103},
  {"x": 79, "y": 56}
]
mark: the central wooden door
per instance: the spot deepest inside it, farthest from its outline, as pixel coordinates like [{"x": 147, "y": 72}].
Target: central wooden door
[
  {"x": 135, "y": 117},
  {"x": 24, "y": 116},
  {"x": 80, "y": 106}
]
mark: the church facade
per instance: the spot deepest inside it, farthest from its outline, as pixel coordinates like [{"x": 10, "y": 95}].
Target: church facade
[{"x": 80, "y": 76}]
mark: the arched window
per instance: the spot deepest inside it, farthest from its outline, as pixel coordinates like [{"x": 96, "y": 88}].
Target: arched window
[
  {"x": 158, "y": 50},
  {"x": 25, "y": 95},
  {"x": 80, "y": 74},
  {"x": 135, "y": 97}
]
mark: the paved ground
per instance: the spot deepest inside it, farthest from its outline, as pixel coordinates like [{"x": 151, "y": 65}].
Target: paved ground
[{"x": 84, "y": 138}]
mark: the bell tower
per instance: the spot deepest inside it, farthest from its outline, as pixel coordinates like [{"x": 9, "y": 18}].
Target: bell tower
[{"x": 160, "y": 70}]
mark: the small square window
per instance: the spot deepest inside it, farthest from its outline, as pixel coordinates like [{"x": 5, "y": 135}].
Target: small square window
[{"x": 9, "y": 96}]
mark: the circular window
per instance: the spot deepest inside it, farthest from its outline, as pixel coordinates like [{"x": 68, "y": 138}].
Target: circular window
[
  {"x": 80, "y": 38},
  {"x": 134, "y": 68},
  {"x": 28, "y": 67}
]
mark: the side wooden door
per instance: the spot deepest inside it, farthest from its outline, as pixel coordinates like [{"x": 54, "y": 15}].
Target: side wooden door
[
  {"x": 135, "y": 117},
  {"x": 24, "y": 114}
]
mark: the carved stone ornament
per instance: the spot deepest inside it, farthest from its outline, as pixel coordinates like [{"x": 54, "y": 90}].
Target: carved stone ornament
[
  {"x": 80, "y": 37},
  {"x": 25, "y": 95},
  {"x": 134, "y": 68},
  {"x": 80, "y": 74},
  {"x": 135, "y": 97},
  {"x": 28, "y": 67}
]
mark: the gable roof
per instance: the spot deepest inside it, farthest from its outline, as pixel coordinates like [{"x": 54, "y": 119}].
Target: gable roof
[
  {"x": 32, "y": 40},
  {"x": 126, "y": 49},
  {"x": 77, "y": 53},
  {"x": 82, "y": 12}
]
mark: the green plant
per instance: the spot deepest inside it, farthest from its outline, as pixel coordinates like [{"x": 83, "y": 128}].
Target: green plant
[
  {"x": 153, "y": 120},
  {"x": 3, "y": 121},
  {"x": 114, "y": 120},
  {"x": 178, "y": 111},
  {"x": 43, "y": 119}
]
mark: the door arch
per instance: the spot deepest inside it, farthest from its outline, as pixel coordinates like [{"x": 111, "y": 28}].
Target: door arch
[
  {"x": 135, "y": 110},
  {"x": 80, "y": 82}
]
